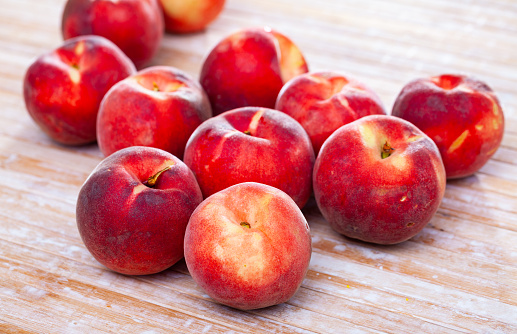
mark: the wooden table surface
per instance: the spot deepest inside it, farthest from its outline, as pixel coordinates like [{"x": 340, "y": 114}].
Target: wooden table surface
[{"x": 458, "y": 275}]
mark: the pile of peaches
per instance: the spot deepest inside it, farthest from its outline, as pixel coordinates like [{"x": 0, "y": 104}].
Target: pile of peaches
[{"x": 218, "y": 170}]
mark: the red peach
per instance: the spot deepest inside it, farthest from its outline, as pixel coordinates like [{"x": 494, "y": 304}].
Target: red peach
[
  {"x": 248, "y": 68},
  {"x": 186, "y": 16},
  {"x": 324, "y": 101},
  {"x": 252, "y": 144},
  {"x": 63, "y": 89},
  {"x": 159, "y": 106},
  {"x": 136, "y": 26},
  {"x": 133, "y": 210},
  {"x": 462, "y": 116},
  {"x": 379, "y": 179},
  {"x": 248, "y": 246}
]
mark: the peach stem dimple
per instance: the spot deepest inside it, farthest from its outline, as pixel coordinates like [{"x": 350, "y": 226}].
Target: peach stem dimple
[
  {"x": 151, "y": 181},
  {"x": 252, "y": 128},
  {"x": 386, "y": 150},
  {"x": 74, "y": 74},
  {"x": 245, "y": 224},
  {"x": 336, "y": 85}
]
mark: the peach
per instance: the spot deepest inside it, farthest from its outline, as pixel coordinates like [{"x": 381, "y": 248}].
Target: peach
[
  {"x": 248, "y": 246},
  {"x": 63, "y": 89},
  {"x": 248, "y": 68},
  {"x": 159, "y": 106},
  {"x": 187, "y": 16},
  {"x": 379, "y": 179},
  {"x": 462, "y": 116},
  {"x": 324, "y": 101},
  {"x": 133, "y": 210},
  {"x": 252, "y": 144},
  {"x": 136, "y": 26}
]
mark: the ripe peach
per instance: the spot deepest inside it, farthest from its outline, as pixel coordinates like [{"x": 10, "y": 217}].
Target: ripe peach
[
  {"x": 248, "y": 68},
  {"x": 324, "y": 101},
  {"x": 159, "y": 106},
  {"x": 462, "y": 116},
  {"x": 133, "y": 210},
  {"x": 63, "y": 89},
  {"x": 252, "y": 144},
  {"x": 248, "y": 246},
  {"x": 135, "y": 26},
  {"x": 379, "y": 179}
]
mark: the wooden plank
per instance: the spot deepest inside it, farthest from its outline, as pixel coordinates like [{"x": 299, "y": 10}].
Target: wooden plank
[
  {"x": 171, "y": 297},
  {"x": 10, "y": 328},
  {"x": 458, "y": 275}
]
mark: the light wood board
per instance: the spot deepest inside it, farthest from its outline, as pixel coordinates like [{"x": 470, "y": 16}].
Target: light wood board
[{"x": 459, "y": 275}]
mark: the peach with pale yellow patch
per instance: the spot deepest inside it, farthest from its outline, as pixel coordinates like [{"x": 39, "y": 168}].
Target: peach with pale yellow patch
[
  {"x": 252, "y": 144},
  {"x": 248, "y": 246},
  {"x": 461, "y": 114},
  {"x": 133, "y": 210},
  {"x": 379, "y": 179},
  {"x": 186, "y": 16},
  {"x": 248, "y": 68},
  {"x": 63, "y": 89},
  {"x": 323, "y": 101},
  {"x": 159, "y": 107}
]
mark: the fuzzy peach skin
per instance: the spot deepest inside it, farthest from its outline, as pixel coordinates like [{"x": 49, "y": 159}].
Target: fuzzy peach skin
[
  {"x": 462, "y": 115},
  {"x": 187, "y": 16},
  {"x": 249, "y": 67},
  {"x": 248, "y": 246},
  {"x": 324, "y": 101},
  {"x": 252, "y": 144},
  {"x": 130, "y": 224},
  {"x": 379, "y": 179},
  {"x": 159, "y": 106},
  {"x": 63, "y": 89},
  {"x": 135, "y": 26}
]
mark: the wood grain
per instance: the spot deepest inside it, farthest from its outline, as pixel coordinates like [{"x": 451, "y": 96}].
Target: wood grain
[{"x": 459, "y": 275}]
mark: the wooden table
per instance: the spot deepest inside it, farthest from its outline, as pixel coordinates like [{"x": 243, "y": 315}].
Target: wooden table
[{"x": 458, "y": 275}]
